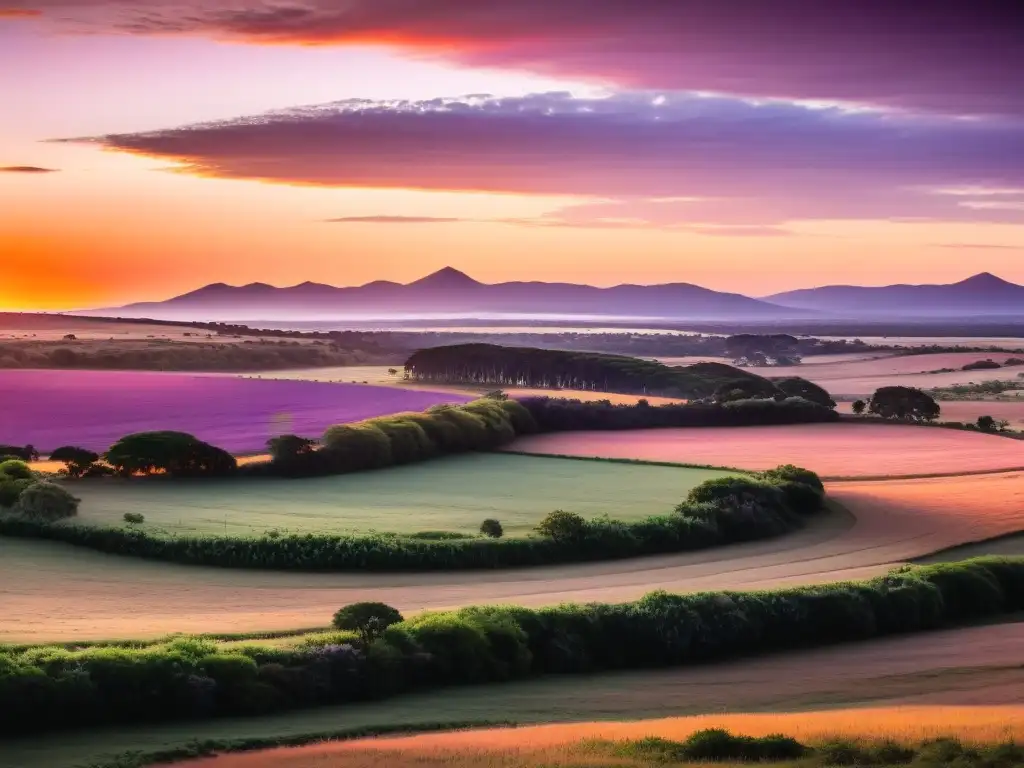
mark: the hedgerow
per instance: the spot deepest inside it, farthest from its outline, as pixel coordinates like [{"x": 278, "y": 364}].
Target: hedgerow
[
  {"x": 49, "y": 688},
  {"x": 749, "y": 508}
]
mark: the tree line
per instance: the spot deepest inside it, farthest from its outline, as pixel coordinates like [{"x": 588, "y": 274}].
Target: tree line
[{"x": 52, "y": 688}]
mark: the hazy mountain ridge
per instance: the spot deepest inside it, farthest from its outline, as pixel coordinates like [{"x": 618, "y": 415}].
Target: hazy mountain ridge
[
  {"x": 982, "y": 294},
  {"x": 453, "y": 293}
]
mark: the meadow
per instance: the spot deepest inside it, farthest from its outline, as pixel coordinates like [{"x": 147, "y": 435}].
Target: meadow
[
  {"x": 452, "y": 494},
  {"x": 832, "y": 450},
  {"x": 67, "y": 593},
  {"x": 92, "y": 409}
]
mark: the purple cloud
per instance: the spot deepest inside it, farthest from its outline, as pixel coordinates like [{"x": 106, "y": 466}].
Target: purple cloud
[
  {"x": 950, "y": 56},
  {"x": 658, "y": 159}
]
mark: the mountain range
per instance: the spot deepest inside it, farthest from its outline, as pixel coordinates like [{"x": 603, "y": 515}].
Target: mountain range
[{"x": 451, "y": 293}]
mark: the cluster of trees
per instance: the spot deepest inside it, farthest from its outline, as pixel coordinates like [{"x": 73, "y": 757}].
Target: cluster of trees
[
  {"x": 561, "y": 415},
  {"x": 763, "y": 349},
  {"x": 559, "y": 369},
  {"x": 50, "y": 688},
  {"x": 900, "y": 404},
  {"x": 166, "y": 452},
  {"x": 716, "y": 512},
  {"x": 33, "y": 499}
]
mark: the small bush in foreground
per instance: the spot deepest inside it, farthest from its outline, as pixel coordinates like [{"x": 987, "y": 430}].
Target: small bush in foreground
[
  {"x": 46, "y": 501},
  {"x": 491, "y": 527},
  {"x": 369, "y": 620},
  {"x": 10, "y": 490}
]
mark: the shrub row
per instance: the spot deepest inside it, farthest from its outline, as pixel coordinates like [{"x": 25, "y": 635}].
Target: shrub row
[
  {"x": 403, "y": 438},
  {"x": 50, "y": 688},
  {"x": 719, "y": 511},
  {"x": 559, "y": 415}
]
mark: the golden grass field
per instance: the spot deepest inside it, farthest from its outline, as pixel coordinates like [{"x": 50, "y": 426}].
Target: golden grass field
[
  {"x": 832, "y": 450},
  {"x": 574, "y": 744},
  {"x": 52, "y": 591}
]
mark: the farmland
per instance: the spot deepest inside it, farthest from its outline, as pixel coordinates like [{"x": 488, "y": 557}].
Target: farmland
[
  {"x": 95, "y": 408},
  {"x": 66, "y": 593},
  {"x": 450, "y": 494},
  {"x": 831, "y": 450}
]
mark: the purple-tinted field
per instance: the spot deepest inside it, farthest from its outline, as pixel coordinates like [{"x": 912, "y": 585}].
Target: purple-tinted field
[{"x": 93, "y": 409}]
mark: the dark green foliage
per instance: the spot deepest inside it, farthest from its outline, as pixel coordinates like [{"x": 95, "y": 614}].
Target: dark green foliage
[
  {"x": 981, "y": 365},
  {"x": 559, "y": 369},
  {"x": 859, "y": 406},
  {"x": 795, "y": 386},
  {"x": 408, "y": 439},
  {"x": 77, "y": 461},
  {"x": 903, "y": 403},
  {"x": 23, "y": 452},
  {"x": 559, "y": 415},
  {"x": 134, "y": 518},
  {"x": 741, "y": 509},
  {"x": 49, "y": 688},
  {"x": 369, "y": 620},
  {"x": 286, "y": 449},
  {"x": 491, "y": 527},
  {"x": 15, "y": 469},
  {"x": 356, "y": 446},
  {"x": 175, "y": 453},
  {"x": 10, "y": 490},
  {"x": 986, "y": 424},
  {"x": 562, "y": 526},
  {"x": 45, "y": 502}
]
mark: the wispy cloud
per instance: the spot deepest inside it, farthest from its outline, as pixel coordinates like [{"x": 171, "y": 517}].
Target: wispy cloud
[
  {"x": 980, "y": 246},
  {"x": 663, "y": 160},
  {"x": 25, "y": 169},
  {"x": 19, "y": 13},
  {"x": 953, "y": 57},
  {"x": 394, "y": 220}
]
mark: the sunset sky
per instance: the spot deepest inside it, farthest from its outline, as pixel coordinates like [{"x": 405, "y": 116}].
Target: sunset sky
[{"x": 148, "y": 148}]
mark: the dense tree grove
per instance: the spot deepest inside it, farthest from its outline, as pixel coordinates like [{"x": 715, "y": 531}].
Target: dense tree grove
[
  {"x": 551, "y": 368},
  {"x": 752, "y": 507},
  {"x": 175, "y": 453},
  {"x": 903, "y": 404},
  {"x": 795, "y": 386},
  {"x": 49, "y": 688}
]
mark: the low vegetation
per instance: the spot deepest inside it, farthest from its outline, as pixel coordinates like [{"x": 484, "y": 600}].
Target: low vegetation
[
  {"x": 49, "y": 688},
  {"x": 716, "y": 512}
]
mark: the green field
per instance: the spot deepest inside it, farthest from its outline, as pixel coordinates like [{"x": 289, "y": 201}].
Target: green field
[{"x": 450, "y": 494}]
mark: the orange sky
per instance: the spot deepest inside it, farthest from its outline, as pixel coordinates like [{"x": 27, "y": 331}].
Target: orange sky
[{"x": 109, "y": 228}]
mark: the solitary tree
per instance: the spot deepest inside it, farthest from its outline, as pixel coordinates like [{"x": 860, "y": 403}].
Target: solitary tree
[
  {"x": 859, "y": 406},
  {"x": 368, "y": 619},
  {"x": 491, "y": 527},
  {"x": 986, "y": 424},
  {"x": 904, "y": 403}
]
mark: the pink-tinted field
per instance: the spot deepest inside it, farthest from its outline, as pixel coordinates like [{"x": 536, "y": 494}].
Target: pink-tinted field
[
  {"x": 93, "y": 409},
  {"x": 831, "y": 450}
]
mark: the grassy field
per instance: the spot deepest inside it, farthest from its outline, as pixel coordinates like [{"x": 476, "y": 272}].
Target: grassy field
[
  {"x": 449, "y": 494},
  {"x": 975, "y": 667}
]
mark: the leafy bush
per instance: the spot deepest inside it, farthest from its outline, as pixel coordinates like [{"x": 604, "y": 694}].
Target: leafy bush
[
  {"x": 23, "y": 452},
  {"x": 903, "y": 403},
  {"x": 175, "y": 453},
  {"x": 289, "y": 448},
  {"x": 77, "y": 461},
  {"x": 369, "y": 620},
  {"x": 46, "y": 501},
  {"x": 10, "y": 490},
  {"x": 491, "y": 527},
  {"x": 795, "y": 386},
  {"x": 134, "y": 518},
  {"x": 562, "y": 526},
  {"x": 15, "y": 469}
]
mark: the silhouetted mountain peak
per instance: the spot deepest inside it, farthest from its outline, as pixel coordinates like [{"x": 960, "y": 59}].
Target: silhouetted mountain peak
[
  {"x": 984, "y": 280},
  {"x": 448, "y": 278}
]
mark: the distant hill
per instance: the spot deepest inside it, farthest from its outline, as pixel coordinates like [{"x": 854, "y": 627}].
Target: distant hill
[
  {"x": 983, "y": 294},
  {"x": 450, "y": 292}
]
